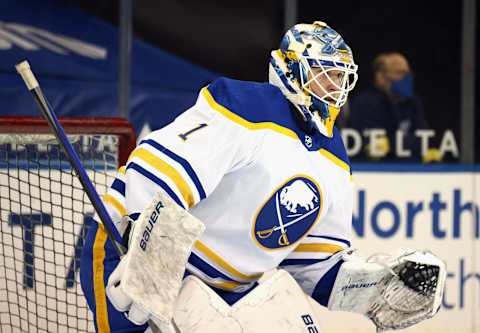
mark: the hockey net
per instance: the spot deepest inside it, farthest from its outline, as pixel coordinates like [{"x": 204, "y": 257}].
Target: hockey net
[{"x": 44, "y": 217}]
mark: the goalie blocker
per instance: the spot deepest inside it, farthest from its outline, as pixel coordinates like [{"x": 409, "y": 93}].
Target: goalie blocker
[{"x": 148, "y": 278}]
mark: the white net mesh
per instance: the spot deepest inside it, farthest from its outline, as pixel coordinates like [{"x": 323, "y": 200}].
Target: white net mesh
[{"x": 44, "y": 216}]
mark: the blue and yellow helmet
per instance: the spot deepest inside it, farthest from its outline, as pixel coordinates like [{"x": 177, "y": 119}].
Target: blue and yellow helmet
[{"x": 314, "y": 69}]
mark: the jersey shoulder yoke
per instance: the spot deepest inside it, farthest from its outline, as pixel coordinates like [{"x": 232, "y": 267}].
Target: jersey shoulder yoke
[{"x": 251, "y": 101}]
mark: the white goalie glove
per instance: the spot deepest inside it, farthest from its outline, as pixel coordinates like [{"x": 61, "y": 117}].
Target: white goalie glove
[
  {"x": 148, "y": 278},
  {"x": 136, "y": 313},
  {"x": 394, "y": 291}
]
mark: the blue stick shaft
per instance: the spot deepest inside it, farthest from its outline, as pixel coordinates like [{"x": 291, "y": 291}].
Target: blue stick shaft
[{"x": 80, "y": 171}]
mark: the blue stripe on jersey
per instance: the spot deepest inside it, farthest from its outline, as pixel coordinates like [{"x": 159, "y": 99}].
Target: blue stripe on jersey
[
  {"x": 156, "y": 180},
  {"x": 206, "y": 268},
  {"x": 186, "y": 166},
  {"x": 344, "y": 241},
  {"x": 134, "y": 216},
  {"x": 324, "y": 287},
  {"x": 290, "y": 262},
  {"x": 335, "y": 146},
  {"x": 119, "y": 186}
]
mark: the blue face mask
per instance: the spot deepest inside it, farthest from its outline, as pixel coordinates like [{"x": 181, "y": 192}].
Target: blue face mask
[{"x": 403, "y": 87}]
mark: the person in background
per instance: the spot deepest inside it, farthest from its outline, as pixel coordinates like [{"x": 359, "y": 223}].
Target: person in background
[{"x": 391, "y": 104}]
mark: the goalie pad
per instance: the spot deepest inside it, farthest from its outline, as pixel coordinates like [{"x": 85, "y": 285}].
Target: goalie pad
[
  {"x": 159, "y": 248},
  {"x": 395, "y": 292},
  {"x": 276, "y": 305}
]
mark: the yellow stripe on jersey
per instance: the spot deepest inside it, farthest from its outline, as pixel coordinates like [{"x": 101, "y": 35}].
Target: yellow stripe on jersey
[
  {"x": 215, "y": 282},
  {"x": 122, "y": 169},
  {"x": 328, "y": 248},
  {"x": 168, "y": 171},
  {"x": 335, "y": 160},
  {"x": 245, "y": 123},
  {"x": 107, "y": 198},
  {"x": 227, "y": 285},
  {"x": 222, "y": 263},
  {"x": 265, "y": 125},
  {"x": 101, "y": 311}
]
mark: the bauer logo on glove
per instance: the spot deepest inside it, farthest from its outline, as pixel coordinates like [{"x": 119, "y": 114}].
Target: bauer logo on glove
[{"x": 149, "y": 227}]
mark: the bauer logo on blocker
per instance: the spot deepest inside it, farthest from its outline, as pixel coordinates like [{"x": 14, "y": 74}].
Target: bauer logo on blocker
[{"x": 289, "y": 213}]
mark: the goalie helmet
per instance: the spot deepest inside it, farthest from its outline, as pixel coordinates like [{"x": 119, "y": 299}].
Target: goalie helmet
[{"x": 314, "y": 69}]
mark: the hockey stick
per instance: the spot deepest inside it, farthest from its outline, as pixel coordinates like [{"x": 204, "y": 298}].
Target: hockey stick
[
  {"x": 31, "y": 82},
  {"x": 33, "y": 86}
]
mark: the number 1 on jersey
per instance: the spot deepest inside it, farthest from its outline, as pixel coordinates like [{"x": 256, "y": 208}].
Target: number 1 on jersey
[{"x": 184, "y": 136}]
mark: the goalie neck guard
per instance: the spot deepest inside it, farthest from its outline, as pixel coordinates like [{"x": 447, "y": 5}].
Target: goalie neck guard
[{"x": 314, "y": 69}]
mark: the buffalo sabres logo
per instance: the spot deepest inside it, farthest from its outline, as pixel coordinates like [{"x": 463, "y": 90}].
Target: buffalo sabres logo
[{"x": 288, "y": 214}]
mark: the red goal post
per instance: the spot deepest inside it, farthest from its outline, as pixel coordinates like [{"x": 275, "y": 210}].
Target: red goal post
[
  {"x": 44, "y": 217},
  {"x": 78, "y": 125}
]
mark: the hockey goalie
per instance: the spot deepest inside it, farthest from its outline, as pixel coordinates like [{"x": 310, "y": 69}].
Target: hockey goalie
[{"x": 253, "y": 178}]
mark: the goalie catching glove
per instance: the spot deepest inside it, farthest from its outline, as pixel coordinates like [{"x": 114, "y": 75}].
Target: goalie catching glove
[{"x": 394, "y": 291}]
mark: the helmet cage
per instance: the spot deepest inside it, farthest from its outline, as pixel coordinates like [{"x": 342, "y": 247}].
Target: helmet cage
[{"x": 329, "y": 69}]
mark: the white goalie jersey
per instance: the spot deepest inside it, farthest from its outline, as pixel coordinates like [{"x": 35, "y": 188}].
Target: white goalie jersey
[{"x": 269, "y": 193}]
